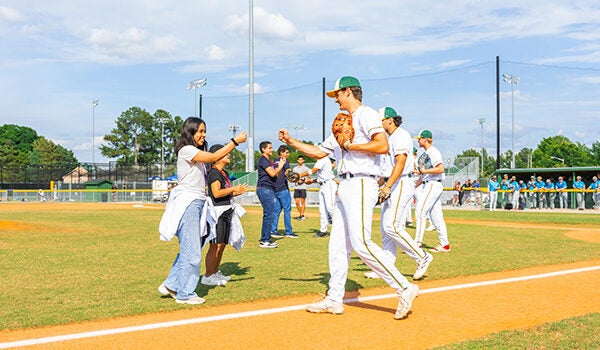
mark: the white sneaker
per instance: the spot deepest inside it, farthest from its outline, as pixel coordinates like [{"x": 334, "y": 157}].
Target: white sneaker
[
  {"x": 405, "y": 299},
  {"x": 162, "y": 289},
  {"x": 422, "y": 266},
  {"x": 223, "y": 277},
  {"x": 326, "y": 306},
  {"x": 191, "y": 301},
  {"x": 371, "y": 274},
  {"x": 430, "y": 228},
  {"x": 213, "y": 280},
  {"x": 268, "y": 245}
]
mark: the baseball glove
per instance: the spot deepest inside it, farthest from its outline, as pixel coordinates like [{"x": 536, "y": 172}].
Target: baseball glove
[
  {"x": 291, "y": 176},
  {"x": 384, "y": 194},
  {"x": 343, "y": 130}
]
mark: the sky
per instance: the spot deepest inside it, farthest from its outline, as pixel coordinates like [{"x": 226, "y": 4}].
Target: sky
[{"x": 434, "y": 62}]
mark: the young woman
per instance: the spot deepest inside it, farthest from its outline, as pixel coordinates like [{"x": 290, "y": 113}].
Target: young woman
[
  {"x": 183, "y": 216},
  {"x": 221, "y": 192}
]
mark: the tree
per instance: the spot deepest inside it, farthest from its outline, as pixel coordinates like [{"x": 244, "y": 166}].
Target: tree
[
  {"x": 561, "y": 147},
  {"x": 595, "y": 153},
  {"x": 46, "y": 152},
  {"x": 16, "y": 144}
]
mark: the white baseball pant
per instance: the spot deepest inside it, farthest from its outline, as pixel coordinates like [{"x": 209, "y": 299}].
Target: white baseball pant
[
  {"x": 326, "y": 203},
  {"x": 429, "y": 204}
]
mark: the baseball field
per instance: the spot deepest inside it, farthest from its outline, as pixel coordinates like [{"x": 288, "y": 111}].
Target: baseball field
[{"x": 84, "y": 275}]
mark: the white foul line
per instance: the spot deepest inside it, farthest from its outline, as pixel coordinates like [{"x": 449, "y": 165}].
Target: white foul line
[{"x": 67, "y": 337}]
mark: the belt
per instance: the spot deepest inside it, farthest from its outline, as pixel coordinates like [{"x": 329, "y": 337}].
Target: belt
[
  {"x": 433, "y": 181},
  {"x": 322, "y": 182},
  {"x": 350, "y": 175}
]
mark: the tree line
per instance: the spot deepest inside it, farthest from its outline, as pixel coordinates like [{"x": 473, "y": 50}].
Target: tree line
[{"x": 136, "y": 139}]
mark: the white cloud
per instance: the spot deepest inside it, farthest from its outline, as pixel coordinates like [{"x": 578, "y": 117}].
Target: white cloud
[
  {"x": 215, "y": 53},
  {"x": 8, "y": 14},
  {"x": 453, "y": 63}
]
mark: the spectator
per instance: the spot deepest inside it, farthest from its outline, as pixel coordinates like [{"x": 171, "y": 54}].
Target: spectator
[
  {"x": 540, "y": 186},
  {"x": 265, "y": 190},
  {"x": 300, "y": 189},
  {"x": 505, "y": 186},
  {"x": 477, "y": 192},
  {"x": 515, "y": 192},
  {"x": 579, "y": 185},
  {"x": 531, "y": 196},
  {"x": 221, "y": 193},
  {"x": 455, "y": 194},
  {"x": 283, "y": 197},
  {"x": 464, "y": 192}
]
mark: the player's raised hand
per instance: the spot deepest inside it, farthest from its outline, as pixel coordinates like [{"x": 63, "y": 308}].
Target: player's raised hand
[
  {"x": 241, "y": 137},
  {"x": 284, "y": 136}
]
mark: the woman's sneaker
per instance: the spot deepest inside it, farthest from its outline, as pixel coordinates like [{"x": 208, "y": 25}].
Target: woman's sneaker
[
  {"x": 267, "y": 244},
  {"x": 162, "y": 289},
  {"x": 222, "y": 276},
  {"x": 191, "y": 301},
  {"x": 213, "y": 280}
]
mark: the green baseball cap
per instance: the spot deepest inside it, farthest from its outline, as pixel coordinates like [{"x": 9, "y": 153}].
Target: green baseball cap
[
  {"x": 342, "y": 83},
  {"x": 424, "y": 134},
  {"x": 387, "y": 112}
]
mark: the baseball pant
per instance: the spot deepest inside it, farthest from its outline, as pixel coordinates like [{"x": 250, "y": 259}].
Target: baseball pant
[
  {"x": 351, "y": 229},
  {"x": 429, "y": 205},
  {"x": 393, "y": 214},
  {"x": 515, "y": 200},
  {"x": 562, "y": 200},
  {"x": 493, "y": 200},
  {"x": 326, "y": 203}
]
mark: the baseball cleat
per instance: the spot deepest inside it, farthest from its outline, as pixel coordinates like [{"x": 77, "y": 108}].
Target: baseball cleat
[
  {"x": 422, "y": 266},
  {"x": 326, "y": 305},
  {"x": 405, "y": 300}
]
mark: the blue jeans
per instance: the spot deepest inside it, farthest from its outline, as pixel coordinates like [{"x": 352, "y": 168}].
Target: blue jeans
[
  {"x": 267, "y": 200},
  {"x": 283, "y": 200},
  {"x": 185, "y": 272}
]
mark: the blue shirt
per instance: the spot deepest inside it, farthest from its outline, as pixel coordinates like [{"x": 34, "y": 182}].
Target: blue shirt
[
  {"x": 505, "y": 184},
  {"x": 264, "y": 180},
  {"x": 493, "y": 186},
  {"x": 540, "y": 184},
  {"x": 560, "y": 185},
  {"x": 281, "y": 182},
  {"x": 514, "y": 185},
  {"x": 579, "y": 185},
  {"x": 531, "y": 185},
  {"x": 594, "y": 186},
  {"x": 549, "y": 185}
]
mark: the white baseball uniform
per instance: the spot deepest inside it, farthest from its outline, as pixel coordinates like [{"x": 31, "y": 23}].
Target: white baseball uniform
[
  {"x": 428, "y": 202},
  {"x": 394, "y": 209},
  {"x": 353, "y": 211},
  {"x": 327, "y": 190}
]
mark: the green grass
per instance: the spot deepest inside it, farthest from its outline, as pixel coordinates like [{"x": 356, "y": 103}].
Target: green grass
[
  {"x": 69, "y": 265},
  {"x": 572, "y": 333}
]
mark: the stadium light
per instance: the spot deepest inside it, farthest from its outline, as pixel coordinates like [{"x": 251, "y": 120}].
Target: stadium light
[
  {"x": 193, "y": 85},
  {"x": 556, "y": 158},
  {"x": 512, "y": 80}
]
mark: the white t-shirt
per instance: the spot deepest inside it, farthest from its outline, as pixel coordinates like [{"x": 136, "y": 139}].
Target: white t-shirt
[
  {"x": 325, "y": 172},
  {"x": 430, "y": 159},
  {"x": 399, "y": 142},
  {"x": 191, "y": 176},
  {"x": 299, "y": 169},
  {"x": 366, "y": 123}
]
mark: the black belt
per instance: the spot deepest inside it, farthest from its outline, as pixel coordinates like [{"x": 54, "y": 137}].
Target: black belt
[
  {"x": 433, "y": 180},
  {"x": 349, "y": 176}
]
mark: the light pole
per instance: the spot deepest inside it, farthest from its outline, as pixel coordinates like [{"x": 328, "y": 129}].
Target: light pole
[
  {"x": 162, "y": 122},
  {"x": 94, "y": 105},
  {"x": 560, "y": 159},
  {"x": 512, "y": 80},
  {"x": 234, "y": 128},
  {"x": 480, "y": 122},
  {"x": 193, "y": 85}
]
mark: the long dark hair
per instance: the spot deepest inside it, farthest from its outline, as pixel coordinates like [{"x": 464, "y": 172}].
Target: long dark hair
[{"x": 189, "y": 128}]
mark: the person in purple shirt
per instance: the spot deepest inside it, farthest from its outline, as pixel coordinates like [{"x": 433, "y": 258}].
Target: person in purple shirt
[
  {"x": 561, "y": 186},
  {"x": 579, "y": 185}
]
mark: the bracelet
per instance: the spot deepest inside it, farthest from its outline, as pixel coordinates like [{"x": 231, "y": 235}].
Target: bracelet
[{"x": 235, "y": 143}]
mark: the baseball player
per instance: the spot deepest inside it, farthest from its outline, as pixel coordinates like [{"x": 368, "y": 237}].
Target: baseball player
[
  {"x": 493, "y": 187},
  {"x": 431, "y": 167},
  {"x": 579, "y": 185},
  {"x": 515, "y": 188},
  {"x": 595, "y": 188},
  {"x": 356, "y": 148},
  {"x": 399, "y": 185},
  {"x": 561, "y": 186},
  {"x": 327, "y": 190}
]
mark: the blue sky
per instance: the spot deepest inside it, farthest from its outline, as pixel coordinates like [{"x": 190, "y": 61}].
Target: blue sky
[{"x": 432, "y": 61}]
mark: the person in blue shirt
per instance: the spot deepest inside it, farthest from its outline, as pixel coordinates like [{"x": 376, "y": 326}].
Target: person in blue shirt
[
  {"x": 283, "y": 197},
  {"x": 541, "y": 194},
  {"x": 595, "y": 188},
  {"x": 561, "y": 186},
  {"x": 493, "y": 187},
  {"x": 515, "y": 188},
  {"x": 522, "y": 195},
  {"x": 579, "y": 185},
  {"x": 505, "y": 186},
  {"x": 531, "y": 196},
  {"x": 551, "y": 193},
  {"x": 265, "y": 190}
]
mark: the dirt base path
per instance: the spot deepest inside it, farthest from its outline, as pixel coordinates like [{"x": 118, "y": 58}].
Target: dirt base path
[{"x": 446, "y": 311}]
